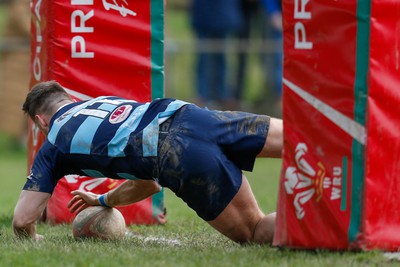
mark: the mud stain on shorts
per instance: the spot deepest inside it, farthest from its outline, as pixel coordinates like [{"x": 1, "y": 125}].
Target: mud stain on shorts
[
  {"x": 33, "y": 187},
  {"x": 170, "y": 154},
  {"x": 246, "y": 123},
  {"x": 250, "y": 125}
]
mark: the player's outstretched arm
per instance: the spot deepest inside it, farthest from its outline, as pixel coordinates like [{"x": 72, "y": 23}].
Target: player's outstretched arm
[
  {"x": 129, "y": 192},
  {"x": 132, "y": 191},
  {"x": 28, "y": 210}
]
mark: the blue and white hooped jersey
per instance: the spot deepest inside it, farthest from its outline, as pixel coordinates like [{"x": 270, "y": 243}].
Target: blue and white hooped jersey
[{"x": 102, "y": 137}]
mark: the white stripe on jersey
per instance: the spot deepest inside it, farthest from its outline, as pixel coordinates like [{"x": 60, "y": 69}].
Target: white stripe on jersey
[{"x": 92, "y": 112}]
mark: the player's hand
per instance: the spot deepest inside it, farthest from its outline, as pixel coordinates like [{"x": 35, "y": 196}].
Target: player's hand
[{"x": 82, "y": 200}]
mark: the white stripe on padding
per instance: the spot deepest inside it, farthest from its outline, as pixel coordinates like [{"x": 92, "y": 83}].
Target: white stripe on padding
[{"x": 353, "y": 128}]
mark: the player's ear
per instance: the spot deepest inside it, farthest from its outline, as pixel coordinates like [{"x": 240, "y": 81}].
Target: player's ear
[{"x": 40, "y": 120}]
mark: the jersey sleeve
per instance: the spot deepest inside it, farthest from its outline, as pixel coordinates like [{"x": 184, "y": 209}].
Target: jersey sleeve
[{"x": 43, "y": 177}]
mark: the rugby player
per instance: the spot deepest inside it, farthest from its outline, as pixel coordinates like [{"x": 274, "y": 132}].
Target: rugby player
[{"x": 197, "y": 153}]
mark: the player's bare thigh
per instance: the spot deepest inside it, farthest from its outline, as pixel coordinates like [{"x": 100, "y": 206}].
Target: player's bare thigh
[
  {"x": 274, "y": 142},
  {"x": 240, "y": 218}
]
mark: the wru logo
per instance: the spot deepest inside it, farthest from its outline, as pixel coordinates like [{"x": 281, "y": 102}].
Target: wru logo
[{"x": 304, "y": 181}]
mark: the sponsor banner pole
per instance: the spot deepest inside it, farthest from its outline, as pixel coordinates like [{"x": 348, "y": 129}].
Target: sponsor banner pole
[
  {"x": 95, "y": 48},
  {"x": 339, "y": 183}
]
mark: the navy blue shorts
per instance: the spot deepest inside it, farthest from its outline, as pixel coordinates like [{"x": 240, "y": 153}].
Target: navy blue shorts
[{"x": 202, "y": 154}]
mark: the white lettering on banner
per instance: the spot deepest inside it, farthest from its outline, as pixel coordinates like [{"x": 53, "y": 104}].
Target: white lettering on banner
[
  {"x": 300, "y": 40},
  {"x": 78, "y": 41},
  {"x": 37, "y": 66},
  {"x": 78, "y": 15},
  {"x": 78, "y": 25},
  {"x": 72, "y": 178},
  {"x": 87, "y": 185},
  {"x": 336, "y": 183},
  {"x": 121, "y": 8},
  {"x": 336, "y": 192},
  {"x": 82, "y": 2},
  {"x": 91, "y": 184},
  {"x": 301, "y": 13},
  {"x": 300, "y": 34}
]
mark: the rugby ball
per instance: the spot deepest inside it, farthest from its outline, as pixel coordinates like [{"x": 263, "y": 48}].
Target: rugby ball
[{"x": 99, "y": 222}]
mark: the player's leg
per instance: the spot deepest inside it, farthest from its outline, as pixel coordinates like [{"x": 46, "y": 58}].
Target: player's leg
[
  {"x": 274, "y": 141},
  {"x": 242, "y": 220}
]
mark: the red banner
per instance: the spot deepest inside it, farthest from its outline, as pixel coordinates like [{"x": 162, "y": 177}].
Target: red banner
[
  {"x": 95, "y": 48},
  {"x": 139, "y": 213},
  {"x": 382, "y": 186},
  {"x": 339, "y": 109}
]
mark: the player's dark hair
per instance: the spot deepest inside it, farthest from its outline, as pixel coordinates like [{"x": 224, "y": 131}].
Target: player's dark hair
[{"x": 42, "y": 98}]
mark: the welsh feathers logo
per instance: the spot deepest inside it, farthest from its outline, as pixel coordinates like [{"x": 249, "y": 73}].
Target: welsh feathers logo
[{"x": 307, "y": 181}]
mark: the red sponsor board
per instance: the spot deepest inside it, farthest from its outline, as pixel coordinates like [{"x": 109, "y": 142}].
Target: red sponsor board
[
  {"x": 381, "y": 226},
  {"x": 339, "y": 107},
  {"x": 143, "y": 212},
  {"x": 94, "y": 48}
]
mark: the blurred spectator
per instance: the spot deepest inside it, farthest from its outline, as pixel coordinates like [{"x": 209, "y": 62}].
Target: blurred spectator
[
  {"x": 15, "y": 62},
  {"x": 253, "y": 20},
  {"x": 213, "y": 22},
  {"x": 274, "y": 60},
  {"x": 262, "y": 21}
]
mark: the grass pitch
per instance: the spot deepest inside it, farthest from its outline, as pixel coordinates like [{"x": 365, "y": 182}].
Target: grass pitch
[{"x": 199, "y": 244}]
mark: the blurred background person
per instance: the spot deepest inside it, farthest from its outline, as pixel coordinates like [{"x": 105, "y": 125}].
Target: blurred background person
[
  {"x": 14, "y": 74},
  {"x": 261, "y": 34},
  {"x": 274, "y": 61},
  {"x": 213, "y": 22},
  {"x": 253, "y": 29}
]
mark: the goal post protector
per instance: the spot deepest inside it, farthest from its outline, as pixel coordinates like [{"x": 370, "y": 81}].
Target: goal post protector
[
  {"x": 95, "y": 48},
  {"x": 340, "y": 182}
]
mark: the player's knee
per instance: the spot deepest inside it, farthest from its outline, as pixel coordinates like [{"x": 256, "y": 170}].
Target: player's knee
[
  {"x": 260, "y": 234},
  {"x": 243, "y": 235},
  {"x": 19, "y": 223},
  {"x": 264, "y": 230}
]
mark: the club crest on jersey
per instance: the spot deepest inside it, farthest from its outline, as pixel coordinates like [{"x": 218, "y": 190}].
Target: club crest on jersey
[{"x": 120, "y": 114}]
